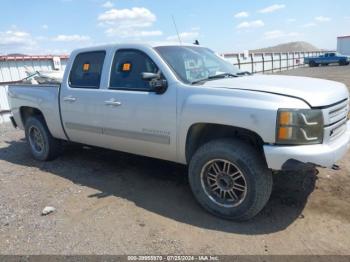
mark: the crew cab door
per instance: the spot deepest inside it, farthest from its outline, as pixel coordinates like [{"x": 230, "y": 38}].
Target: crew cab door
[
  {"x": 136, "y": 119},
  {"x": 81, "y": 109},
  {"x": 332, "y": 58}
]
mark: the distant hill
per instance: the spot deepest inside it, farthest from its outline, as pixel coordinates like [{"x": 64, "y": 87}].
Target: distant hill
[
  {"x": 288, "y": 47},
  {"x": 16, "y": 55}
]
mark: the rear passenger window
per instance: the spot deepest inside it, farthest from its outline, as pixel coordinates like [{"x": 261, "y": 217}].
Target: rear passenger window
[
  {"x": 87, "y": 70},
  {"x": 128, "y": 66}
]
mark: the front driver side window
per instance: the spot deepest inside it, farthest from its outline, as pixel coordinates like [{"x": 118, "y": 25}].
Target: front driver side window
[{"x": 127, "y": 69}]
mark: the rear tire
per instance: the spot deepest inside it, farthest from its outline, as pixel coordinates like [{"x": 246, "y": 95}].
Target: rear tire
[
  {"x": 313, "y": 64},
  {"x": 245, "y": 169},
  {"x": 42, "y": 144}
]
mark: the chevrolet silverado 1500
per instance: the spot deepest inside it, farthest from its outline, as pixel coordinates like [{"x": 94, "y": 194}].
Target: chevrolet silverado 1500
[{"x": 187, "y": 105}]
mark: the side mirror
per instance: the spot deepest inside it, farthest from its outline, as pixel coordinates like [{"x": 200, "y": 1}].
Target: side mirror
[
  {"x": 150, "y": 76},
  {"x": 157, "y": 83}
]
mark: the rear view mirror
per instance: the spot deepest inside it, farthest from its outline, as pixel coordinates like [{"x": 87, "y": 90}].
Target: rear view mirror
[{"x": 157, "y": 83}]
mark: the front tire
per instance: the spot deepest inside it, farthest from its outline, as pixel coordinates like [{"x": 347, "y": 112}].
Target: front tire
[
  {"x": 230, "y": 179},
  {"x": 343, "y": 63},
  {"x": 42, "y": 144}
]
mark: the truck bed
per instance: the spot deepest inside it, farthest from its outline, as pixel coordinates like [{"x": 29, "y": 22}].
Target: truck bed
[{"x": 42, "y": 97}]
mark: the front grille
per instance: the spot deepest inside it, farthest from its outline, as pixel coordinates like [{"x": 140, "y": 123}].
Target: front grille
[
  {"x": 338, "y": 131},
  {"x": 338, "y": 113},
  {"x": 335, "y": 118}
]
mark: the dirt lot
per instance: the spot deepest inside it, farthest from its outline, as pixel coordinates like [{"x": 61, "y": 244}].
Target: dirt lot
[{"x": 112, "y": 203}]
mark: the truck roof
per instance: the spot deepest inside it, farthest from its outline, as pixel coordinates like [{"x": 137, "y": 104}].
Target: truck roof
[{"x": 130, "y": 45}]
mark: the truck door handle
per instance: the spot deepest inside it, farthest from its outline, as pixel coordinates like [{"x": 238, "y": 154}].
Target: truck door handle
[
  {"x": 113, "y": 102},
  {"x": 69, "y": 99}
]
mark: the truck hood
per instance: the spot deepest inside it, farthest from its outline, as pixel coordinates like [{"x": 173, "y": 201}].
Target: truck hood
[{"x": 316, "y": 92}]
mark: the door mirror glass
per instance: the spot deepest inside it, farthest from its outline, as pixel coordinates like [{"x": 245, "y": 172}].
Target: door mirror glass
[{"x": 157, "y": 83}]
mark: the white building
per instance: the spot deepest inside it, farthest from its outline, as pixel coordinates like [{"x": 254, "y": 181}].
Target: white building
[
  {"x": 343, "y": 46},
  {"x": 15, "y": 68}
]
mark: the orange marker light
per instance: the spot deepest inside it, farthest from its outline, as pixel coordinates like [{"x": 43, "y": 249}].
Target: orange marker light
[
  {"x": 86, "y": 67},
  {"x": 284, "y": 133},
  {"x": 285, "y": 118},
  {"x": 126, "y": 67}
]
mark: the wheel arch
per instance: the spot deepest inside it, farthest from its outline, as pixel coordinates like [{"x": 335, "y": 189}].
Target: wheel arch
[
  {"x": 27, "y": 111},
  {"x": 201, "y": 133}
]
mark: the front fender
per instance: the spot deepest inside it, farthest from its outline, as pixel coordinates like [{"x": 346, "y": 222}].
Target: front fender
[{"x": 253, "y": 111}]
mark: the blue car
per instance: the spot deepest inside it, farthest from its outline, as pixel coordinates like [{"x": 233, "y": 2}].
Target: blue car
[{"x": 326, "y": 59}]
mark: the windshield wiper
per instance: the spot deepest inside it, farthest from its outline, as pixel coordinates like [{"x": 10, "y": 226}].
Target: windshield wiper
[
  {"x": 222, "y": 76},
  {"x": 244, "y": 73},
  {"x": 215, "y": 77}
]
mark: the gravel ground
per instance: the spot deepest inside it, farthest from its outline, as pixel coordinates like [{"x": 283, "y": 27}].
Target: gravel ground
[
  {"x": 336, "y": 73},
  {"x": 112, "y": 203}
]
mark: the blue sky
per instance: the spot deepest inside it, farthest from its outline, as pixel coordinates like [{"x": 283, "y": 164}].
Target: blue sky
[{"x": 58, "y": 26}]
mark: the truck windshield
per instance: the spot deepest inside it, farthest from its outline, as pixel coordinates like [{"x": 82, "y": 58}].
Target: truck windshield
[{"x": 196, "y": 64}]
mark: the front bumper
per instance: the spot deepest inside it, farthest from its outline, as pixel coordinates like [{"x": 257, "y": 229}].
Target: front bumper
[{"x": 324, "y": 155}]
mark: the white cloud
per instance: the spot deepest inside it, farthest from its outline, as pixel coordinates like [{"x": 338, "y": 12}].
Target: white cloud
[
  {"x": 272, "y": 8},
  {"x": 128, "y": 23},
  {"x": 45, "y": 27},
  {"x": 251, "y": 24},
  {"x": 279, "y": 34},
  {"x": 241, "y": 15},
  {"x": 309, "y": 25},
  {"x": 125, "y": 18},
  {"x": 150, "y": 33},
  {"x": 108, "y": 4},
  {"x": 317, "y": 20},
  {"x": 71, "y": 38},
  {"x": 15, "y": 40},
  {"x": 322, "y": 19},
  {"x": 185, "y": 36}
]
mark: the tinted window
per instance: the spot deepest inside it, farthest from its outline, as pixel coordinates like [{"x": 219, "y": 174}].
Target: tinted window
[
  {"x": 87, "y": 70},
  {"x": 127, "y": 69}
]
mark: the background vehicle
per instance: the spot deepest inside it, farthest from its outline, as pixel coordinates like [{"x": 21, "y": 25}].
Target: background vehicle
[
  {"x": 327, "y": 59},
  {"x": 185, "y": 104}
]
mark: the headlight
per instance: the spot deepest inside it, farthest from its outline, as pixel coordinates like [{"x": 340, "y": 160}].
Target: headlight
[{"x": 299, "y": 127}]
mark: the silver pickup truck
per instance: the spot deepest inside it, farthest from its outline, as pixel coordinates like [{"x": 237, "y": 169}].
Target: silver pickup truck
[{"x": 187, "y": 105}]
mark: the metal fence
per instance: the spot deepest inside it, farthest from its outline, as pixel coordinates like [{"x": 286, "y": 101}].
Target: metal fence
[
  {"x": 269, "y": 62},
  {"x": 4, "y": 105}
]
